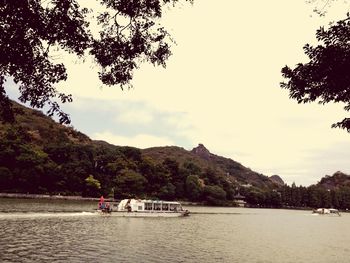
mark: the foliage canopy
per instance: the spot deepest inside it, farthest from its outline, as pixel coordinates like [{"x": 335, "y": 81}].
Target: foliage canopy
[
  {"x": 326, "y": 77},
  {"x": 128, "y": 34}
]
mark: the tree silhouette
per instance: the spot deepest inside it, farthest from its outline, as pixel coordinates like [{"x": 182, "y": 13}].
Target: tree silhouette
[
  {"x": 129, "y": 34},
  {"x": 326, "y": 77}
]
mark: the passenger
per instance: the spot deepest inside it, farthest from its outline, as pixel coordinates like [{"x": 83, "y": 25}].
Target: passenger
[{"x": 101, "y": 203}]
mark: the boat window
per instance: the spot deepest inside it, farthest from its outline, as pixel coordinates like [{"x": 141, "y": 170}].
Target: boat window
[
  {"x": 156, "y": 206},
  {"x": 148, "y": 206},
  {"x": 139, "y": 207},
  {"x": 165, "y": 207},
  {"x": 175, "y": 207}
]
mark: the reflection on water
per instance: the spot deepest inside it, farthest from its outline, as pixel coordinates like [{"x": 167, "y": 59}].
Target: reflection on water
[{"x": 71, "y": 232}]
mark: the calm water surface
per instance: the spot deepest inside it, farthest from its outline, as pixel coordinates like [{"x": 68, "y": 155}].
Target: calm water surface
[{"x": 70, "y": 231}]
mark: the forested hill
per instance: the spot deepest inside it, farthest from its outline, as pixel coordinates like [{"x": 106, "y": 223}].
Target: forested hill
[
  {"x": 202, "y": 159},
  {"x": 38, "y": 155},
  {"x": 336, "y": 181}
]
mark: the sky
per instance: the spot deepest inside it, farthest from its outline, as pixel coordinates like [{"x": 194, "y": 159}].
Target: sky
[{"x": 221, "y": 88}]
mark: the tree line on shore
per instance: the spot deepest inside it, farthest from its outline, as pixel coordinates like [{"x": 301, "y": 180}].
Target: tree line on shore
[
  {"x": 95, "y": 169},
  {"x": 293, "y": 196}
]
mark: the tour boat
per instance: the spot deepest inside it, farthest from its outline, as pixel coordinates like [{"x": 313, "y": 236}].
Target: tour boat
[
  {"x": 147, "y": 208},
  {"x": 326, "y": 211}
]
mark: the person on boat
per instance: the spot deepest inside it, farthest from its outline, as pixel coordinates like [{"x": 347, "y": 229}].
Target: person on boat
[
  {"x": 101, "y": 204},
  {"x": 108, "y": 207},
  {"x": 128, "y": 206}
]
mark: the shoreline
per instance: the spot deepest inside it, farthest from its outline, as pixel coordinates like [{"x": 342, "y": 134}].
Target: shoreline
[
  {"x": 69, "y": 197},
  {"x": 81, "y": 198},
  {"x": 51, "y": 197},
  {"x": 96, "y": 199}
]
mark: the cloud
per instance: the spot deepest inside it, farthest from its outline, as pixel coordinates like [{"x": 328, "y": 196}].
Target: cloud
[
  {"x": 140, "y": 141},
  {"x": 135, "y": 116}
]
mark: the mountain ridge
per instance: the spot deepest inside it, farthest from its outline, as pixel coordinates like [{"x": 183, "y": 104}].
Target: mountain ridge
[
  {"x": 336, "y": 181},
  {"x": 40, "y": 142},
  {"x": 226, "y": 167},
  {"x": 40, "y": 156}
]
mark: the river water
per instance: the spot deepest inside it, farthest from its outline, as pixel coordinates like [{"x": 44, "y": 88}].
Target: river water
[{"x": 70, "y": 231}]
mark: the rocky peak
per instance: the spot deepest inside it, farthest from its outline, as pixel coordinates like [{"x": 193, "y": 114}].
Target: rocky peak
[
  {"x": 276, "y": 179},
  {"x": 201, "y": 151}
]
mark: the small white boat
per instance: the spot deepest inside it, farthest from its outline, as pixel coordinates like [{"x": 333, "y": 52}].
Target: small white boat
[
  {"x": 147, "y": 208},
  {"x": 326, "y": 211}
]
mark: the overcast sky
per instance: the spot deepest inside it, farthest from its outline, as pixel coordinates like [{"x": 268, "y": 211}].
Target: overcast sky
[{"x": 221, "y": 88}]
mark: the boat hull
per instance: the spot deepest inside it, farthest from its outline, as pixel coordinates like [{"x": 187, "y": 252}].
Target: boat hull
[
  {"x": 146, "y": 214},
  {"x": 325, "y": 211},
  {"x": 143, "y": 208}
]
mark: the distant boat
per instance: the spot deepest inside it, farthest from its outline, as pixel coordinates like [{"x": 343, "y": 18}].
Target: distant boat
[
  {"x": 146, "y": 208},
  {"x": 326, "y": 211}
]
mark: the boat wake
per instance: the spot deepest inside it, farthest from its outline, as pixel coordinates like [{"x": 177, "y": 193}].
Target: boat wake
[
  {"x": 215, "y": 213},
  {"x": 44, "y": 214}
]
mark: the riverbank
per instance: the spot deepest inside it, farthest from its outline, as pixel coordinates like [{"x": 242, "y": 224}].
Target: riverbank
[
  {"x": 81, "y": 198},
  {"x": 95, "y": 199},
  {"x": 53, "y": 197},
  {"x": 68, "y": 197}
]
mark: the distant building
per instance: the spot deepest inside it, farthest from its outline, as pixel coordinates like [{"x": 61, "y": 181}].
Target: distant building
[{"x": 240, "y": 200}]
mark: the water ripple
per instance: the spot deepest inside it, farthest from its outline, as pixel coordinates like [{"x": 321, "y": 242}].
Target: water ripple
[{"x": 211, "y": 235}]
